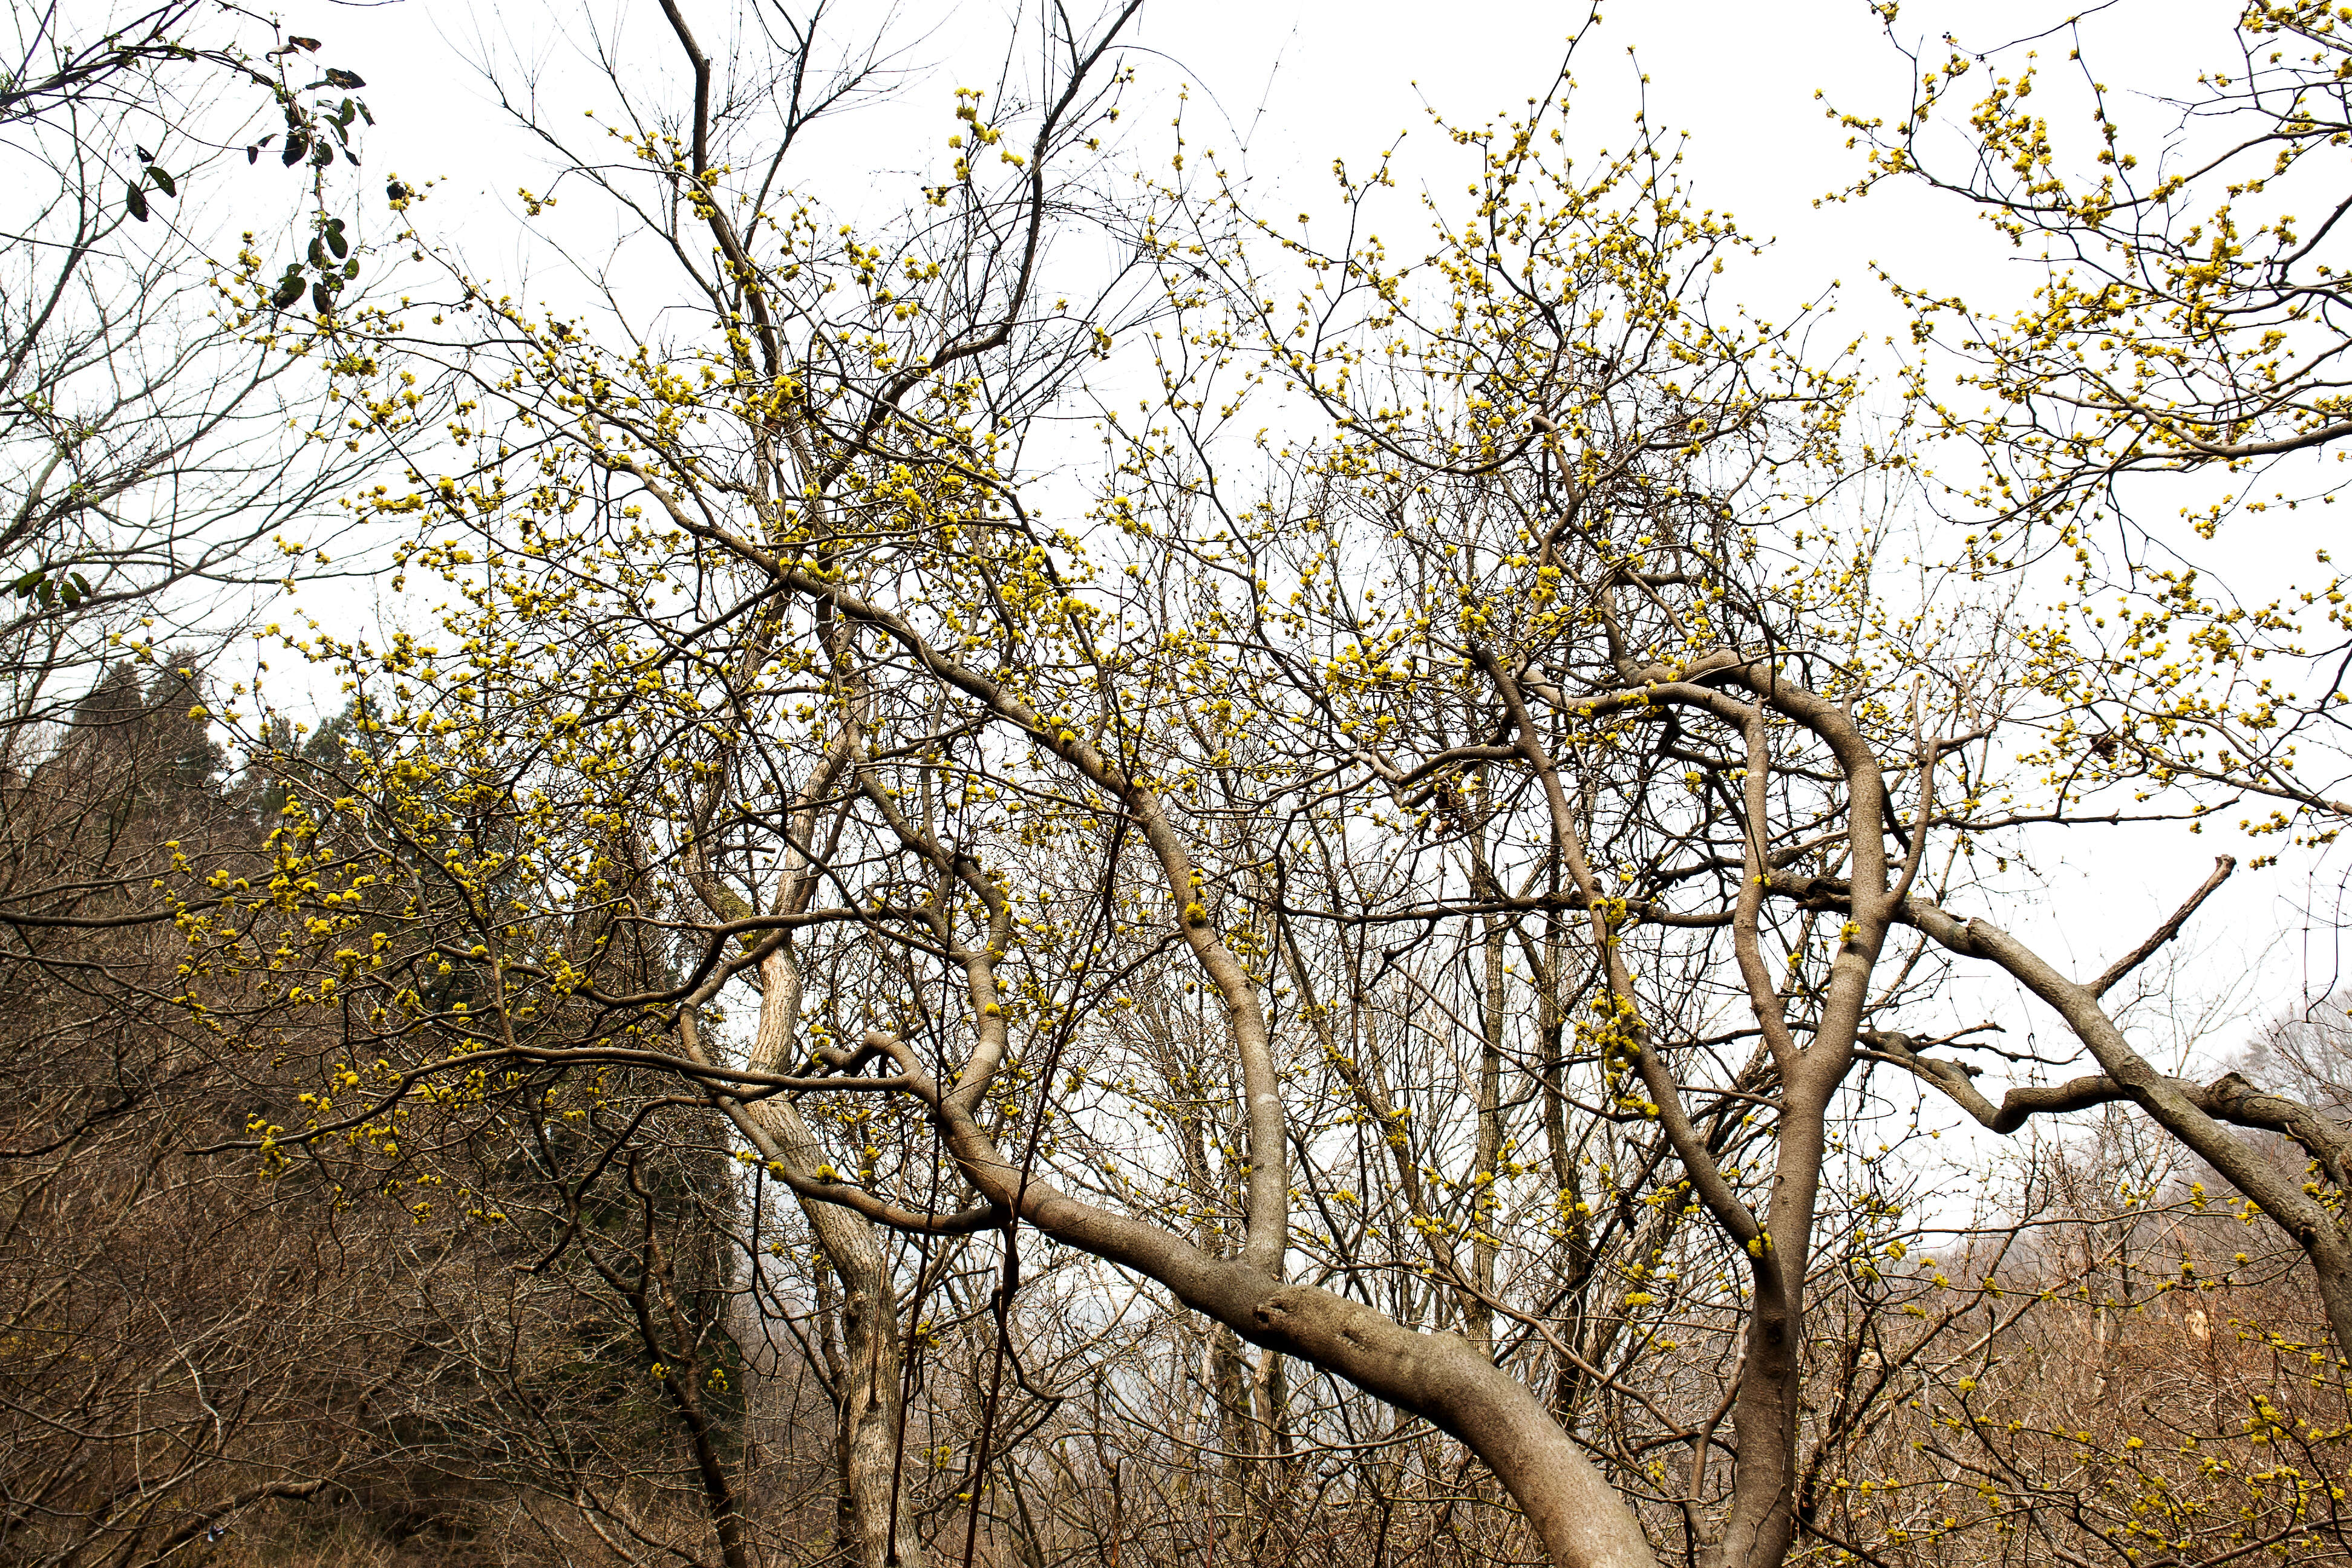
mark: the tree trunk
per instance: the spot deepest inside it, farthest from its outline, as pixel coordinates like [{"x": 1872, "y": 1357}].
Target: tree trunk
[{"x": 869, "y": 1412}]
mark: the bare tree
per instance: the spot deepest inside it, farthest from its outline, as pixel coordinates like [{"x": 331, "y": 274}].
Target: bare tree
[{"x": 146, "y": 438}]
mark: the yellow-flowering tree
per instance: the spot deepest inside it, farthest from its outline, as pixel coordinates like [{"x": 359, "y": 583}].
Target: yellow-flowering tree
[
  {"x": 1437, "y": 890},
  {"x": 2175, "y": 371}
]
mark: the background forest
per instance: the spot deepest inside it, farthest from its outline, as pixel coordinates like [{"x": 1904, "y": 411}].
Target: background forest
[{"x": 1022, "y": 862}]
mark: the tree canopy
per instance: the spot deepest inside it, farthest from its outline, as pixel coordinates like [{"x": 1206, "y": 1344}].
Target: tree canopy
[{"x": 1076, "y": 870}]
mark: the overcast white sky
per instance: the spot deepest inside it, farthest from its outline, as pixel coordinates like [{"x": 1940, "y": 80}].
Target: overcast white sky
[{"x": 1308, "y": 80}]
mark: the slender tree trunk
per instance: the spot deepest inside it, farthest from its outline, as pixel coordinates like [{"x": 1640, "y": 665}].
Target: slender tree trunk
[
  {"x": 1270, "y": 1394},
  {"x": 1765, "y": 1410},
  {"x": 869, "y": 1412},
  {"x": 1568, "y": 1196},
  {"x": 669, "y": 1333},
  {"x": 1479, "y": 1317},
  {"x": 1229, "y": 1385}
]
